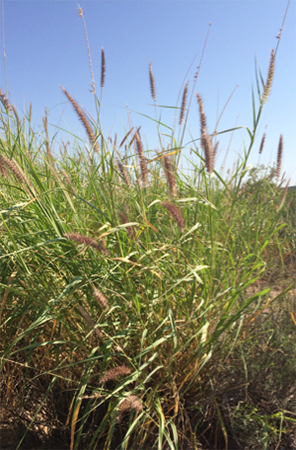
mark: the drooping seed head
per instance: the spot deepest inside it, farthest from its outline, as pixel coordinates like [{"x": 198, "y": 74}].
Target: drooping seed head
[{"x": 83, "y": 119}]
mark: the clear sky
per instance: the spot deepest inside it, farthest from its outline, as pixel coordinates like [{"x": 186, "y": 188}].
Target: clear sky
[{"x": 45, "y": 48}]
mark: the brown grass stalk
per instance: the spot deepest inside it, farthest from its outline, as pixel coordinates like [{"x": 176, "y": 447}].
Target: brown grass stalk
[
  {"x": 125, "y": 137},
  {"x": 83, "y": 119},
  {"x": 175, "y": 213},
  {"x": 93, "y": 87}
]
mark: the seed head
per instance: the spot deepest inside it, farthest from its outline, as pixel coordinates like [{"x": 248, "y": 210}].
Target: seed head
[
  {"x": 86, "y": 240},
  {"x": 101, "y": 299},
  {"x": 184, "y": 100},
  {"x": 279, "y": 157},
  {"x": 268, "y": 84},
  {"x": 144, "y": 171},
  {"x": 175, "y": 213},
  {"x": 168, "y": 169},
  {"x": 103, "y": 68},
  {"x": 262, "y": 143},
  {"x": 130, "y": 402},
  {"x": 124, "y": 174},
  {"x": 83, "y": 119},
  {"x": 152, "y": 82},
  {"x": 115, "y": 373}
]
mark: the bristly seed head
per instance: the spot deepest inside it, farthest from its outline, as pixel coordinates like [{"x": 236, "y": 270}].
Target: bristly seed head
[
  {"x": 83, "y": 119},
  {"x": 124, "y": 174},
  {"x": 184, "y": 100},
  {"x": 268, "y": 84},
  {"x": 113, "y": 374},
  {"x": 132, "y": 401},
  {"x": 80, "y": 11},
  {"x": 168, "y": 169},
  {"x": 103, "y": 68},
  {"x": 152, "y": 82},
  {"x": 88, "y": 319},
  {"x": 175, "y": 213},
  {"x": 124, "y": 219},
  {"x": 262, "y": 143},
  {"x": 5, "y": 101},
  {"x": 101, "y": 299},
  {"x": 86, "y": 240},
  {"x": 144, "y": 171},
  {"x": 279, "y": 157},
  {"x": 205, "y": 138}
]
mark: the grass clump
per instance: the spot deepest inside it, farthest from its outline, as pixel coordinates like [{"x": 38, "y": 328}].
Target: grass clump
[{"x": 138, "y": 301}]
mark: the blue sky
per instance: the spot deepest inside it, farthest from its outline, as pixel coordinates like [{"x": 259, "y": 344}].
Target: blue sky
[{"x": 45, "y": 48}]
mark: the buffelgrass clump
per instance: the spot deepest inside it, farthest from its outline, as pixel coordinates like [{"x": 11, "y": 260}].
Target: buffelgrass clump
[{"x": 149, "y": 341}]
